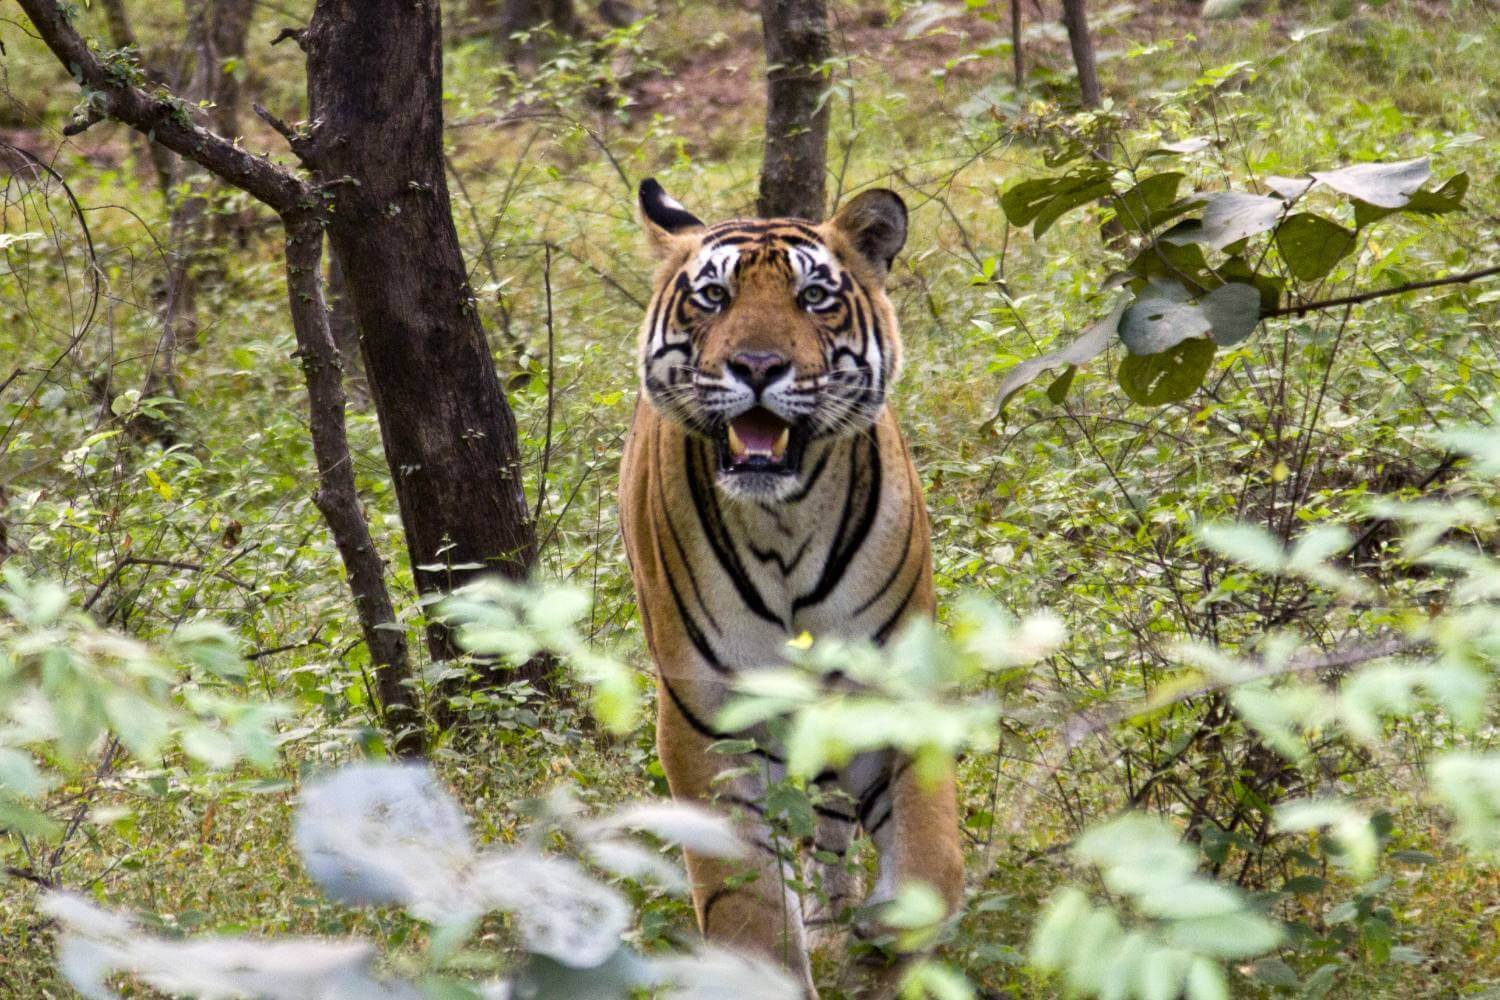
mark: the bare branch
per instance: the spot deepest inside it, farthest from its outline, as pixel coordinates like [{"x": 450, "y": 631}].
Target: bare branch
[
  {"x": 1087, "y": 723},
  {"x": 1380, "y": 293},
  {"x": 295, "y": 34}
]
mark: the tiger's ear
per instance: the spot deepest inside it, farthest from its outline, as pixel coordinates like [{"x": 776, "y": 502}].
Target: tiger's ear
[
  {"x": 662, "y": 217},
  {"x": 874, "y": 223}
]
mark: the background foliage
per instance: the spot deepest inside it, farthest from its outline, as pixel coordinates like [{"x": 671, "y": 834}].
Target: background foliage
[{"x": 1271, "y": 657}]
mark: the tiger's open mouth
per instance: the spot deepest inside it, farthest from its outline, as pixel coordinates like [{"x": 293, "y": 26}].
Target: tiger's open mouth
[{"x": 758, "y": 441}]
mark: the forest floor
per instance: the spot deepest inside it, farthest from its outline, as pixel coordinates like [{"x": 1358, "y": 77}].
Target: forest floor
[{"x": 1024, "y": 510}]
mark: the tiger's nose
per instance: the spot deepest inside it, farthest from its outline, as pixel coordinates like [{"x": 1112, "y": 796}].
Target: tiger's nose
[{"x": 758, "y": 369}]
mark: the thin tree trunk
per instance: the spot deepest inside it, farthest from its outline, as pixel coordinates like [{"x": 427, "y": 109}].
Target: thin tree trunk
[
  {"x": 374, "y": 77},
  {"x": 187, "y": 196},
  {"x": 122, "y": 36},
  {"x": 793, "y": 176},
  {"x": 345, "y": 331},
  {"x": 1018, "y": 59},
  {"x": 216, "y": 32},
  {"x": 228, "y": 29},
  {"x": 518, "y": 16},
  {"x": 336, "y": 497},
  {"x": 4, "y": 535},
  {"x": 1076, "y": 20}
]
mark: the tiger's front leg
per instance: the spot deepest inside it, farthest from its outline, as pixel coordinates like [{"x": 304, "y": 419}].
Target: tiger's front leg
[
  {"x": 914, "y": 825},
  {"x": 743, "y": 903}
]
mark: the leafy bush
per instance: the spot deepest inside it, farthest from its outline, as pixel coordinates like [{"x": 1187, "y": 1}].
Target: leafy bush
[{"x": 74, "y": 693}]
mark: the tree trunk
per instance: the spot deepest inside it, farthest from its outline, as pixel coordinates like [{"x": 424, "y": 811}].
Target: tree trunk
[
  {"x": 216, "y": 33},
  {"x": 374, "y": 80},
  {"x": 122, "y": 36},
  {"x": 793, "y": 176},
  {"x": 345, "y": 331},
  {"x": 228, "y": 28},
  {"x": 336, "y": 497},
  {"x": 528, "y": 15},
  {"x": 1075, "y": 18},
  {"x": 4, "y": 535},
  {"x": 1017, "y": 55}
]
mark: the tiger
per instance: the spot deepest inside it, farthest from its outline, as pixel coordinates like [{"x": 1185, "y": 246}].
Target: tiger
[{"x": 766, "y": 491}]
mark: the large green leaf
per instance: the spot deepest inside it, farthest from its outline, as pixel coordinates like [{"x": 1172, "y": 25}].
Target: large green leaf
[
  {"x": 1067, "y": 201},
  {"x": 1045, "y": 200},
  {"x": 1089, "y": 345},
  {"x": 1181, "y": 262},
  {"x": 1161, "y": 318},
  {"x": 1269, "y": 286},
  {"x": 1311, "y": 245},
  {"x": 1168, "y": 377},
  {"x": 1238, "y": 935},
  {"x": 1446, "y": 198},
  {"x": 1021, "y": 202},
  {"x": 1228, "y": 217},
  {"x": 1232, "y": 310},
  {"x": 1151, "y": 202},
  {"x": 1289, "y": 187},
  {"x": 1387, "y": 185}
]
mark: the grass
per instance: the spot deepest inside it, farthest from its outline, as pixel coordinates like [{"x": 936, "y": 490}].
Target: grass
[{"x": 1029, "y": 511}]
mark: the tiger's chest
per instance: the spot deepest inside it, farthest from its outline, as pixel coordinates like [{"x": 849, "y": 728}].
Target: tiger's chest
[{"x": 845, "y": 556}]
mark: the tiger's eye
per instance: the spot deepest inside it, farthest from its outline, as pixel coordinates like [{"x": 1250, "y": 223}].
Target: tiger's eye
[
  {"x": 715, "y": 294},
  {"x": 813, "y": 294}
]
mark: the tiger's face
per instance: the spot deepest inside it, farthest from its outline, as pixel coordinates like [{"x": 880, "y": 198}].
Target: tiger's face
[{"x": 765, "y": 336}]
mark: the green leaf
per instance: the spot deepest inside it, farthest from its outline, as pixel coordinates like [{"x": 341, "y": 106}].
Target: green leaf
[
  {"x": 1065, "y": 202},
  {"x": 1205, "y": 981},
  {"x": 1275, "y": 972},
  {"x": 1269, "y": 286},
  {"x": 1161, "y": 318},
  {"x": 1150, "y": 203},
  {"x": 1058, "y": 390},
  {"x": 1090, "y": 344},
  {"x": 1183, "y": 146},
  {"x": 1247, "y": 544},
  {"x": 1311, "y": 245},
  {"x": 1179, "y": 262},
  {"x": 19, "y": 775},
  {"x": 1230, "y": 935},
  {"x": 1024, "y": 201},
  {"x": 1233, "y": 311},
  {"x": 1290, "y": 187},
  {"x": 1160, "y": 974},
  {"x": 928, "y": 979},
  {"x": 1168, "y": 377},
  {"x": 1053, "y": 935},
  {"x": 1228, "y": 217},
  {"x": 1320, "y": 982},
  {"x": 1386, "y": 185},
  {"x": 18, "y": 818},
  {"x": 1304, "y": 885},
  {"x": 1447, "y": 198}
]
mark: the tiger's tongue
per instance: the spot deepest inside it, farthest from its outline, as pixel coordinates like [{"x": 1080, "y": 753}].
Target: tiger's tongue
[{"x": 757, "y": 432}]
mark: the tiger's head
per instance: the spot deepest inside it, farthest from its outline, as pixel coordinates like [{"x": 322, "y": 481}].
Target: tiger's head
[{"x": 766, "y": 336}]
